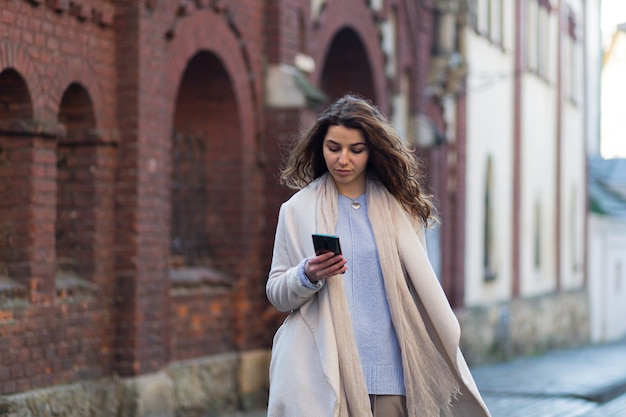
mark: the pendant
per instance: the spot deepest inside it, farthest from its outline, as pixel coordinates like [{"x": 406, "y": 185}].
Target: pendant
[{"x": 356, "y": 205}]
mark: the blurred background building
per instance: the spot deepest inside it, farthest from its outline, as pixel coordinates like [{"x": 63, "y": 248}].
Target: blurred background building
[
  {"x": 532, "y": 105},
  {"x": 614, "y": 64},
  {"x": 140, "y": 143},
  {"x": 607, "y": 185}
]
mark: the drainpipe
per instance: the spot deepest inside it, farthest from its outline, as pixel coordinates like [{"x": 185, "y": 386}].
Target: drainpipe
[
  {"x": 517, "y": 148},
  {"x": 559, "y": 143}
]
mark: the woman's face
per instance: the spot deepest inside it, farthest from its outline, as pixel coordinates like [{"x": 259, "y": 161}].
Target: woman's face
[{"x": 346, "y": 155}]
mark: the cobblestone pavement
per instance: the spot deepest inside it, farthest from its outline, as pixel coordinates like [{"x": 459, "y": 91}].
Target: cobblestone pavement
[{"x": 584, "y": 382}]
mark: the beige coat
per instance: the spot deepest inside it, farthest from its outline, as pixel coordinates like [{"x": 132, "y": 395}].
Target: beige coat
[{"x": 304, "y": 370}]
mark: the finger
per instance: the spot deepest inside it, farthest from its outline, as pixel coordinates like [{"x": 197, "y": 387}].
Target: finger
[
  {"x": 324, "y": 256},
  {"x": 321, "y": 262},
  {"x": 336, "y": 265},
  {"x": 317, "y": 268}
]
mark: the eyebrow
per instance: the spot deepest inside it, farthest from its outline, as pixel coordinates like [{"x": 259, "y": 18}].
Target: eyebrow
[{"x": 352, "y": 144}]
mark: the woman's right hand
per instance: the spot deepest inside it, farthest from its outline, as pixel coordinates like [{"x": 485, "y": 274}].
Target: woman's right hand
[{"x": 324, "y": 266}]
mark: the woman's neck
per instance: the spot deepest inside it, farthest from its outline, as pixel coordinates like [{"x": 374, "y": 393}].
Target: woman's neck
[{"x": 352, "y": 191}]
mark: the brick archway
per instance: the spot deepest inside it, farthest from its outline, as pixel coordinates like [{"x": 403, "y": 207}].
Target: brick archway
[
  {"x": 357, "y": 18},
  {"x": 48, "y": 91},
  {"x": 206, "y": 30},
  {"x": 14, "y": 91},
  {"x": 339, "y": 76},
  {"x": 14, "y": 57},
  {"x": 233, "y": 186},
  {"x": 78, "y": 72}
]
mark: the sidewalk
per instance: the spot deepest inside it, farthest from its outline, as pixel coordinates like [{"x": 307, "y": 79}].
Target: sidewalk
[
  {"x": 589, "y": 382},
  {"x": 584, "y": 382}
]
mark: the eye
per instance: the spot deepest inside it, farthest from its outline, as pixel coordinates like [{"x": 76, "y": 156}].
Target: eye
[{"x": 358, "y": 150}]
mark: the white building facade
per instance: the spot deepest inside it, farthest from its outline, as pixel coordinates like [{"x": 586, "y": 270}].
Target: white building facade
[
  {"x": 614, "y": 91},
  {"x": 607, "y": 187},
  {"x": 607, "y": 249},
  {"x": 532, "y": 105}
]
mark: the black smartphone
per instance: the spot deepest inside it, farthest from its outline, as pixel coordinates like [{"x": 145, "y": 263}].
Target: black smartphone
[{"x": 324, "y": 243}]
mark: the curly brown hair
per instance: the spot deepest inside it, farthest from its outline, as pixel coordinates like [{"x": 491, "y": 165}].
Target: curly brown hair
[{"x": 391, "y": 160}]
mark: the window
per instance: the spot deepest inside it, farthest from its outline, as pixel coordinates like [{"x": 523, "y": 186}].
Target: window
[
  {"x": 482, "y": 17},
  {"x": 543, "y": 37},
  {"x": 489, "y": 269},
  {"x": 538, "y": 38},
  {"x": 496, "y": 22},
  {"x": 76, "y": 167},
  {"x": 532, "y": 30},
  {"x": 574, "y": 234},
  {"x": 486, "y": 18},
  {"x": 15, "y": 228},
  {"x": 537, "y": 236},
  {"x": 573, "y": 58}
]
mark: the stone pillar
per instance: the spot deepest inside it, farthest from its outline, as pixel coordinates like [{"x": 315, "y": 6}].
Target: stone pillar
[{"x": 141, "y": 297}]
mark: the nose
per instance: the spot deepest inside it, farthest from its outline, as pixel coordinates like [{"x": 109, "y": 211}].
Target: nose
[{"x": 343, "y": 157}]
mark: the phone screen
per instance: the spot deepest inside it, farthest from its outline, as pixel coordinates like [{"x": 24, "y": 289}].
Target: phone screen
[{"x": 324, "y": 243}]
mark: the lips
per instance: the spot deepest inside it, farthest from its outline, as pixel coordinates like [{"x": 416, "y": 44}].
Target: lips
[{"x": 343, "y": 172}]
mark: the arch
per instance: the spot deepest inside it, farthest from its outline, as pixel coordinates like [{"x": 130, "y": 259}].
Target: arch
[
  {"x": 77, "y": 73},
  {"x": 25, "y": 161},
  {"x": 346, "y": 53},
  {"x": 48, "y": 90},
  {"x": 15, "y": 99},
  {"x": 205, "y": 52},
  {"x": 15, "y": 104},
  {"x": 205, "y": 30},
  {"x": 15, "y": 58},
  {"x": 75, "y": 205},
  {"x": 76, "y": 110},
  {"x": 356, "y": 17},
  {"x": 206, "y": 147}
]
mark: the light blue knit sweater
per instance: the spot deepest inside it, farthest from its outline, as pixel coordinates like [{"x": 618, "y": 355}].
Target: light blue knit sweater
[
  {"x": 374, "y": 333},
  {"x": 375, "y": 336}
]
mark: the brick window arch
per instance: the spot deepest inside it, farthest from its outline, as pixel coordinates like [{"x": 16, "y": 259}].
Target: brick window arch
[
  {"x": 205, "y": 166},
  {"x": 14, "y": 97},
  {"x": 76, "y": 168},
  {"x": 15, "y": 168},
  {"x": 346, "y": 53},
  {"x": 206, "y": 194}
]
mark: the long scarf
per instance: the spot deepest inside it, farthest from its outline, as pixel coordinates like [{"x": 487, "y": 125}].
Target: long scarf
[{"x": 429, "y": 381}]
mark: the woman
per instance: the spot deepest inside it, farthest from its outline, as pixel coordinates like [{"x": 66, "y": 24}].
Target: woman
[{"x": 370, "y": 331}]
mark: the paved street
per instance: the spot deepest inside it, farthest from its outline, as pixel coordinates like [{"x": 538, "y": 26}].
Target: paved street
[{"x": 584, "y": 382}]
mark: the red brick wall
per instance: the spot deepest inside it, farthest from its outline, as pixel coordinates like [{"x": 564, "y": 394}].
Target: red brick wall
[
  {"x": 360, "y": 20},
  {"x": 89, "y": 282},
  {"x": 232, "y": 36},
  {"x": 54, "y": 329},
  {"x": 287, "y": 26}
]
